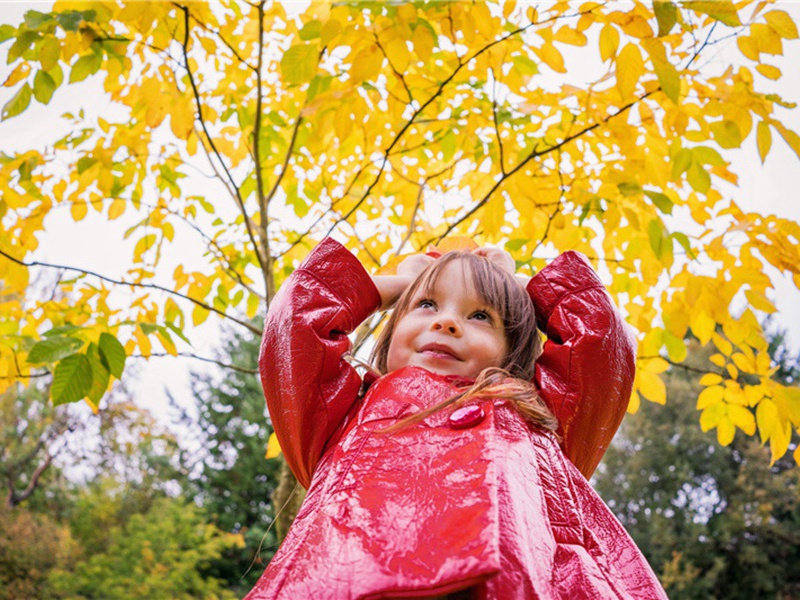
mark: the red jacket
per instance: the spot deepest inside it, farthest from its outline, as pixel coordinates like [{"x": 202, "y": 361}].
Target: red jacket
[{"x": 440, "y": 506}]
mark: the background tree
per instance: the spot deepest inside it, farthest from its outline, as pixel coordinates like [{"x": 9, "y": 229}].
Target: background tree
[
  {"x": 430, "y": 119},
  {"x": 235, "y": 484},
  {"x": 711, "y": 520}
]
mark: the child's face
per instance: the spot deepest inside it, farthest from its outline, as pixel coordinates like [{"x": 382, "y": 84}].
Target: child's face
[{"x": 450, "y": 331}]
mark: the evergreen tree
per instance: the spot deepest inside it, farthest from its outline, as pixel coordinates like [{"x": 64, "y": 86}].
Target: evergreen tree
[
  {"x": 235, "y": 481},
  {"x": 712, "y": 520}
]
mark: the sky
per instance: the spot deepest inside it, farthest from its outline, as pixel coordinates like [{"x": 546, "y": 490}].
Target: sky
[{"x": 771, "y": 188}]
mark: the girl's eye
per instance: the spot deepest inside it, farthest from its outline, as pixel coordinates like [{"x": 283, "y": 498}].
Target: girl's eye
[
  {"x": 425, "y": 303},
  {"x": 481, "y": 315}
]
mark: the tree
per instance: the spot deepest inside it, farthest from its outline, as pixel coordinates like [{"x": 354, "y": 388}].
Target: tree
[
  {"x": 157, "y": 554},
  {"x": 711, "y": 520},
  {"x": 235, "y": 484},
  {"x": 394, "y": 125}
]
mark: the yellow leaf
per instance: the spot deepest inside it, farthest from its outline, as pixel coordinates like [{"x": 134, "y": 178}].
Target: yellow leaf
[
  {"x": 717, "y": 359},
  {"x": 722, "y": 344},
  {"x": 550, "y": 56},
  {"x": 19, "y": 73},
  {"x": 767, "y": 40},
  {"x": 656, "y": 365},
  {"x": 769, "y": 71},
  {"x": 767, "y": 418},
  {"x": 725, "y": 431},
  {"x": 199, "y": 314},
  {"x": 763, "y": 139},
  {"x": 273, "y": 447},
  {"x": 609, "y": 42},
  {"x": 702, "y": 326},
  {"x": 652, "y": 387},
  {"x": 712, "y": 415},
  {"x": 634, "y": 403},
  {"x": 732, "y": 371},
  {"x": 366, "y": 64},
  {"x": 710, "y": 395},
  {"x": 79, "y": 209},
  {"x": 398, "y": 54},
  {"x": 630, "y": 67},
  {"x": 711, "y": 379},
  {"x": 759, "y": 301},
  {"x": 782, "y": 24},
  {"x": 742, "y": 418},
  {"x": 568, "y": 35},
  {"x": 779, "y": 441},
  {"x": 423, "y": 41},
  {"x": 116, "y": 208},
  {"x": 748, "y": 47}
]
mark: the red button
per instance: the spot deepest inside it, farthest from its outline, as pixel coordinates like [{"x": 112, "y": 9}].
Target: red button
[{"x": 466, "y": 416}]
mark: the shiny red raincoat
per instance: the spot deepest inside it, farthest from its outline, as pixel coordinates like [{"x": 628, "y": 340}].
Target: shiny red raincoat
[{"x": 481, "y": 499}]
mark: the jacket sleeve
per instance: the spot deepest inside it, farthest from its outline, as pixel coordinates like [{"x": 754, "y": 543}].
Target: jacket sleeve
[
  {"x": 308, "y": 384},
  {"x": 586, "y": 370}
]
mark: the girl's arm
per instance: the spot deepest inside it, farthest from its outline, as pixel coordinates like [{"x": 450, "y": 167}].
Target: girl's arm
[
  {"x": 308, "y": 385},
  {"x": 585, "y": 373}
]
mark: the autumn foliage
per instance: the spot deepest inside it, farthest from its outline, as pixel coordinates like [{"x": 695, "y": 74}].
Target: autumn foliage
[{"x": 249, "y": 132}]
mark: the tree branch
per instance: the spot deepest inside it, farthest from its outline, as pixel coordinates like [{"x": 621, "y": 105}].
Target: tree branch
[
  {"x": 210, "y": 140},
  {"x": 152, "y": 286},
  {"x": 253, "y": 371}
]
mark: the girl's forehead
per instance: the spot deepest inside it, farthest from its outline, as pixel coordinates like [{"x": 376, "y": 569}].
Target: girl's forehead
[{"x": 453, "y": 279}]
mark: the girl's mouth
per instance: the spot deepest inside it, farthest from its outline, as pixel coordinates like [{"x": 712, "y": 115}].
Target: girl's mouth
[{"x": 439, "y": 351}]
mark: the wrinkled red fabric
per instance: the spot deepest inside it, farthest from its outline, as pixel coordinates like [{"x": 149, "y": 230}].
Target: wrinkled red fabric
[{"x": 484, "y": 500}]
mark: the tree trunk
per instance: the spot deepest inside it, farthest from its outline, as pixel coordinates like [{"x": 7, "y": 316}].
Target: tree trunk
[{"x": 286, "y": 499}]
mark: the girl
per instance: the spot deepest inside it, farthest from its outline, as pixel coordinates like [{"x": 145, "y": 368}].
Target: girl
[{"x": 411, "y": 498}]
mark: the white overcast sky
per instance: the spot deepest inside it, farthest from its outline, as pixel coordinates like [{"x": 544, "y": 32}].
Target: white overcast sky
[{"x": 773, "y": 188}]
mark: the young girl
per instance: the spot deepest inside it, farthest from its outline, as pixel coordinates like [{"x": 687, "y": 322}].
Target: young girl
[{"x": 452, "y": 475}]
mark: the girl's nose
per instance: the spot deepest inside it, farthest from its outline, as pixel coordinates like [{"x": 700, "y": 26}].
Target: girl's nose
[{"x": 447, "y": 324}]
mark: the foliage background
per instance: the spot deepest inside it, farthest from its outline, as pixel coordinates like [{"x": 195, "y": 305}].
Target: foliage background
[{"x": 234, "y": 516}]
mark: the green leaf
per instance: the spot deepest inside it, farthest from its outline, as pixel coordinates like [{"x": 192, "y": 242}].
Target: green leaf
[
  {"x": 726, "y": 134},
  {"x": 525, "y": 65},
  {"x": 299, "y": 63},
  {"x": 100, "y": 374},
  {"x": 18, "y": 103},
  {"x": 661, "y": 201},
  {"x": 178, "y": 332},
  {"x": 722, "y": 11},
  {"x": 683, "y": 160},
  {"x": 311, "y": 30},
  {"x": 629, "y": 188},
  {"x": 72, "y": 379},
  {"x": 6, "y": 32},
  {"x": 669, "y": 80},
  {"x": 112, "y": 354},
  {"x": 18, "y": 48},
  {"x": 666, "y": 16},
  {"x": 49, "y": 52},
  {"x": 658, "y": 241},
  {"x": 71, "y": 20},
  {"x": 683, "y": 240},
  {"x": 52, "y": 349},
  {"x": 43, "y": 87},
  {"x": 64, "y": 329},
  {"x": 85, "y": 66},
  {"x": 34, "y": 19},
  {"x": 707, "y": 156},
  {"x": 699, "y": 178}
]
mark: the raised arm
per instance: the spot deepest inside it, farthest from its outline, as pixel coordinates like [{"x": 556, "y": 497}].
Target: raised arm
[
  {"x": 308, "y": 384},
  {"x": 585, "y": 373}
]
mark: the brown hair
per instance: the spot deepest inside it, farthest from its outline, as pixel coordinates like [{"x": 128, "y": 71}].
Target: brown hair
[{"x": 509, "y": 380}]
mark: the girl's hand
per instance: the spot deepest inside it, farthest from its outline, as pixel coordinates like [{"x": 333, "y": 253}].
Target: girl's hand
[
  {"x": 391, "y": 287},
  {"x": 412, "y": 266},
  {"x": 503, "y": 260},
  {"x": 499, "y": 257}
]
